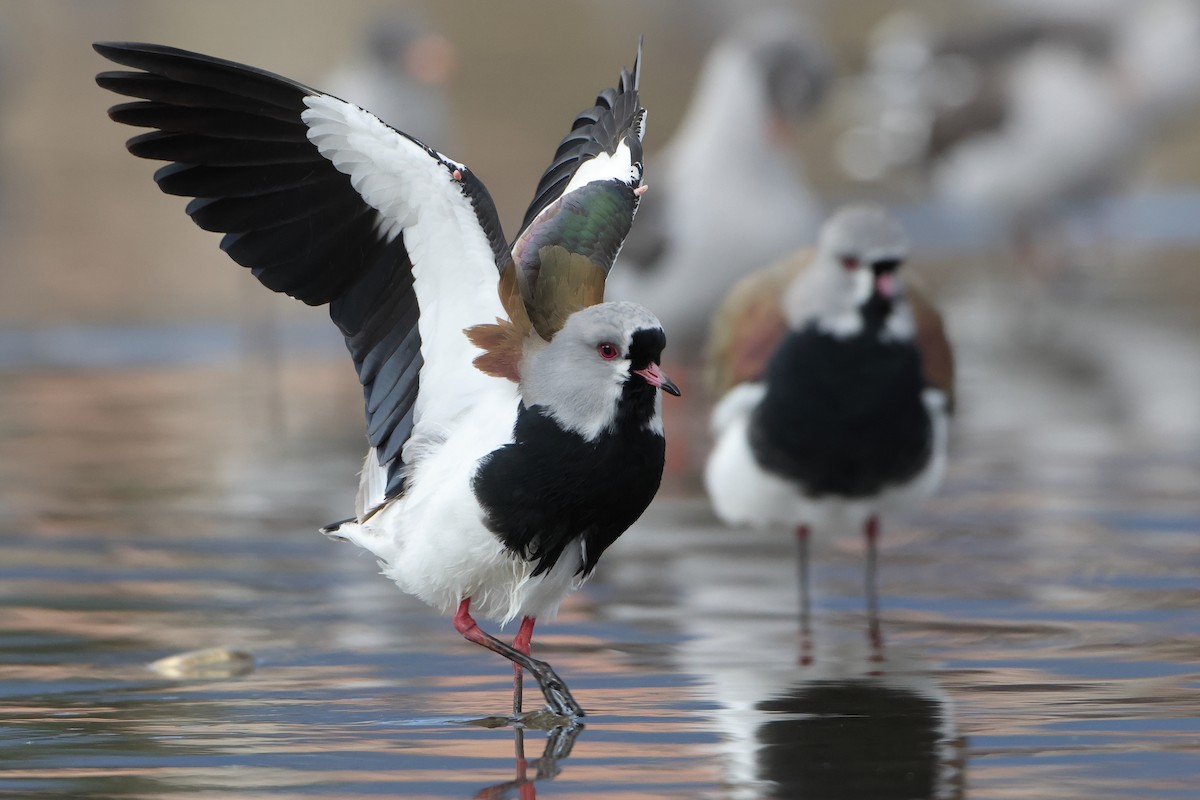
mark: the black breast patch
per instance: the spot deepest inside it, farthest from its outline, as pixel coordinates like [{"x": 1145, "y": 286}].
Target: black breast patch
[
  {"x": 551, "y": 485},
  {"x": 843, "y": 417}
]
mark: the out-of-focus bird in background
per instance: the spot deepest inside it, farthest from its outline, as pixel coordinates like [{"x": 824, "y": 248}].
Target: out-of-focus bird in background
[
  {"x": 1023, "y": 122},
  {"x": 401, "y": 71},
  {"x": 1017, "y": 134},
  {"x": 727, "y": 194},
  {"x": 836, "y": 380}
]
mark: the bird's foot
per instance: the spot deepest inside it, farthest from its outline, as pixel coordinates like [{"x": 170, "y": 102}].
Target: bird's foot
[{"x": 558, "y": 696}]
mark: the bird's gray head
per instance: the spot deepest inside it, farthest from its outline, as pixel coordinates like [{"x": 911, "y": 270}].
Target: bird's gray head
[
  {"x": 854, "y": 281},
  {"x": 404, "y": 42},
  {"x": 601, "y": 370},
  {"x": 795, "y": 66}
]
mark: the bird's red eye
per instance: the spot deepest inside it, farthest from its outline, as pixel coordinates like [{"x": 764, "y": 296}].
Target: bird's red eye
[
  {"x": 849, "y": 262},
  {"x": 607, "y": 350}
]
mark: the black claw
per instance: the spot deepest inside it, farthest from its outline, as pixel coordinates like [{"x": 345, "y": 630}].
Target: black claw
[{"x": 558, "y": 696}]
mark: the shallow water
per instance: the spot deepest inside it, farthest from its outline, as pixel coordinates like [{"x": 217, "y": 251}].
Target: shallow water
[{"x": 1040, "y": 617}]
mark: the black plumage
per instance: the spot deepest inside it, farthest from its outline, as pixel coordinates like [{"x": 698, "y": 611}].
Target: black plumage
[
  {"x": 552, "y": 485},
  {"x": 843, "y": 416}
]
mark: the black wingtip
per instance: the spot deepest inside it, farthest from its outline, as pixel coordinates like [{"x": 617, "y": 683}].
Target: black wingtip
[
  {"x": 332, "y": 528},
  {"x": 120, "y": 52},
  {"x": 637, "y": 65},
  {"x": 598, "y": 128}
]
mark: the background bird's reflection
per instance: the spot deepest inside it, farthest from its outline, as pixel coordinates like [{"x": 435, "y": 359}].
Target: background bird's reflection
[{"x": 848, "y": 725}]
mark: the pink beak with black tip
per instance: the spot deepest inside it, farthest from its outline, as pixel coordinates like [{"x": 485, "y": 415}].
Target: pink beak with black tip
[{"x": 654, "y": 376}]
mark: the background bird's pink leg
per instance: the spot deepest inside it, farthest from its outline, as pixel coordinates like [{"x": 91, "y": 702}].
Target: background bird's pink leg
[
  {"x": 871, "y": 531},
  {"x": 805, "y": 626}
]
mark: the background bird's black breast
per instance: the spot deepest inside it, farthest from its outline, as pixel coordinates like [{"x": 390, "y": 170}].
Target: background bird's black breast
[
  {"x": 842, "y": 416},
  {"x": 551, "y": 485}
]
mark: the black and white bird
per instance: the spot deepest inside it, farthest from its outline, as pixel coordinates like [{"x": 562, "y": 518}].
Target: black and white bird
[
  {"x": 514, "y": 418},
  {"x": 732, "y": 195},
  {"x": 836, "y": 380}
]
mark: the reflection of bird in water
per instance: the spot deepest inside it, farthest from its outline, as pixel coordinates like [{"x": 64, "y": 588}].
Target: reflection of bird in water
[
  {"x": 1021, "y": 122},
  {"x": 836, "y": 380},
  {"x": 727, "y": 196},
  {"x": 514, "y": 418},
  {"x": 831, "y": 721},
  {"x": 883, "y": 734},
  {"x": 558, "y": 746}
]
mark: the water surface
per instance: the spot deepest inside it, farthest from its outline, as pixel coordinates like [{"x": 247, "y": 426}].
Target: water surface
[{"x": 1040, "y": 618}]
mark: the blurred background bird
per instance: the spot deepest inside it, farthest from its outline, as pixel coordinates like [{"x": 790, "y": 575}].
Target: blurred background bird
[
  {"x": 1041, "y": 147},
  {"x": 836, "y": 381},
  {"x": 401, "y": 70},
  {"x": 1029, "y": 119}
]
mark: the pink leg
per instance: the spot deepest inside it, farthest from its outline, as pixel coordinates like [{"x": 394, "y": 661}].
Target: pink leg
[
  {"x": 871, "y": 532},
  {"x": 522, "y": 643},
  {"x": 555, "y": 691},
  {"x": 802, "y": 536}
]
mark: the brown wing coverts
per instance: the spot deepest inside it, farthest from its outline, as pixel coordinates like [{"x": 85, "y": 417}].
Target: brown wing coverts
[{"x": 749, "y": 325}]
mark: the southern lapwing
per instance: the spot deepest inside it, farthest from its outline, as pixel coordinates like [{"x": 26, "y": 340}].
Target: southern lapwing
[
  {"x": 836, "y": 380},
  {"x": 514, "y": 418}
]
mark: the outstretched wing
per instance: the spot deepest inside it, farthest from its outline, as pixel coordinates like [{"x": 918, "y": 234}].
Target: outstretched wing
[
  {"x": 583, "y": 207},
  {"x": 326, "y": 203}
]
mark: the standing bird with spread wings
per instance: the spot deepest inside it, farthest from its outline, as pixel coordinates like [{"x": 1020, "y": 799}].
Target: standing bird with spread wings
[{"x": 514, "y": 418}]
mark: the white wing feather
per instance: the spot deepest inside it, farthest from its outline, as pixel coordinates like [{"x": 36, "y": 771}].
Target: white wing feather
[{"x": 455, "y": 275}]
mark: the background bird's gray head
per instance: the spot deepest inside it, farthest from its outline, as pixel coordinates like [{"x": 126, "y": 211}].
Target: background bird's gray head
[
  {"x": 602, "y": 353},
  {"x": 793, "y": 63},
  {"x": 853, "y": 281},
  {"x": 404, "y": 42}
]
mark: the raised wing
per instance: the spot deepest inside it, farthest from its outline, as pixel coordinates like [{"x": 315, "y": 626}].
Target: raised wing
[
  {"x": 324, "y": 202},
  {"x": 583, "y": 207}
]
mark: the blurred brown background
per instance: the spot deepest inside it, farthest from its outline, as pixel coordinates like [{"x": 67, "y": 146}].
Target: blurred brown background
[{"x": 87, "y": 239}]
